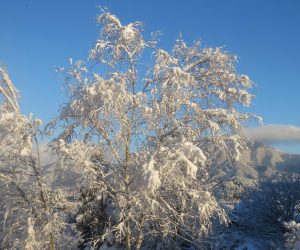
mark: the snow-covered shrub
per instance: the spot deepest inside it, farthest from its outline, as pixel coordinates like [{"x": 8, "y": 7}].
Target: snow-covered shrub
[
  {"x": 266, "y": 209},
  {"x": 235, "y": 188},
  {"x": 28, "y": 206},
  {"x": 292, "y": 236}
]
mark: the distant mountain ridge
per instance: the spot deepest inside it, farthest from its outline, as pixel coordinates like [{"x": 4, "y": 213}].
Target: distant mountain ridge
[
  {"x": 267, "y": 160},
  {"x": 256, "y": 162}
]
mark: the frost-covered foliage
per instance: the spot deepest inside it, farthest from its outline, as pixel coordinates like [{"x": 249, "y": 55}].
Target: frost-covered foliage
[
  {"x": 267, "y": 210},
  {"x": 292, "y": 235},
  {"x": 141, "y": 141},
  {"x": 235, "y": 188},
  {"x": 282, "y": 197},
  {"x": 266, "y": 216},
  {"x": 28, "y": 219}
]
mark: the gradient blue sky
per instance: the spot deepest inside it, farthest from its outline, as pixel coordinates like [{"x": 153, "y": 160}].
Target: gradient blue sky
[{"x": 37, "y": 35}]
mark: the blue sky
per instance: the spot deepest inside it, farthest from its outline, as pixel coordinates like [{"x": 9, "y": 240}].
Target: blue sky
[{"x": 37, "y": 35}]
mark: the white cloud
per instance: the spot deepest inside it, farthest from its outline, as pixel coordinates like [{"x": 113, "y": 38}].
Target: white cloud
[{"x": 274, "y": 133}]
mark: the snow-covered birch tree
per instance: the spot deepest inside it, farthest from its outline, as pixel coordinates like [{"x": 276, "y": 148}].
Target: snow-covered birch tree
[
  {"x": 141, "y": 140},
  {"x": 27, "y": 203}
]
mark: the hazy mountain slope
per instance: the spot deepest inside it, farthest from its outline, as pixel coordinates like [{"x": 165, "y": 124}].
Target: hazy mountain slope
[{"x": 266, "y": 160}]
